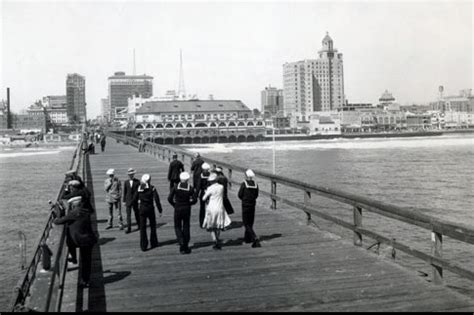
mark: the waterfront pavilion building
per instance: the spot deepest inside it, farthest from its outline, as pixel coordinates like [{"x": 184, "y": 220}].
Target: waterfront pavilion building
[
  {"x": 195, "y": 121},
  {"x": 314, "y": 85}
]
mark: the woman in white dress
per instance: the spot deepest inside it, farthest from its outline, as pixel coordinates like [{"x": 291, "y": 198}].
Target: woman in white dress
[{"x": 216, "y": 218}]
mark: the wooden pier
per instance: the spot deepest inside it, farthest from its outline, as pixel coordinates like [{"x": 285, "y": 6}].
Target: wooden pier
[{"x": 298, "y": 268}]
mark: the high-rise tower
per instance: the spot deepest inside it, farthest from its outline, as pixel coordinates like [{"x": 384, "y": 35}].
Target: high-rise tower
[
  {"x": 122, "y": 87},
  {"x": 76, "y": 98},
  {"x": 314, "y": 85}
]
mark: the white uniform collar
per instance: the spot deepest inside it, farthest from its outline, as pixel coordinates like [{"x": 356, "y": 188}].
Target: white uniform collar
[{"x": 247, "y": 185}]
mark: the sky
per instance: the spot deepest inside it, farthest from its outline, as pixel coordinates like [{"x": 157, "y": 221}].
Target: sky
[{"x": 234, "y": 49}]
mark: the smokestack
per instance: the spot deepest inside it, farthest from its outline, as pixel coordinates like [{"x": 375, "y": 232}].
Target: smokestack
[{"x": 9, "y": 120}]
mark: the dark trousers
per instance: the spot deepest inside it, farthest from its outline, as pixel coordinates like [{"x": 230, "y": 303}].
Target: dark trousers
[
  {"x": 128, "y": 209},
  {"x": 144, "y": 216},
  {"x": 248, "y": 218},
  {"x": 71, "y": 248},
  {"x": 172, "y": 183},
  {"x": 181, "y": 225},
  {"x": 86, "y": 262},
  {"x": 202, "y": 211},
  {"x": 102, "y": 147}
]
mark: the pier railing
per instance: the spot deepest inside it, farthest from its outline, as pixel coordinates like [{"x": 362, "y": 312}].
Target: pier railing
[
  {"x": 41, "y": 288},
  {"x": 436, "y": 228}
]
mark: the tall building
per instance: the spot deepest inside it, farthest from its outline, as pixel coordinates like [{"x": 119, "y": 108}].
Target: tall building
[
  {"x": 76, "y": 97},
  {"x": 314, "y": 85},
  {"x": 272, "y": 100},
  {"x": 105, "y": 109},
  {"x": 121, "y": 87}
]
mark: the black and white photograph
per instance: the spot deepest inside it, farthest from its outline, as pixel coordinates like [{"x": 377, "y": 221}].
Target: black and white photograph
[{"x": 236, "y": 156}]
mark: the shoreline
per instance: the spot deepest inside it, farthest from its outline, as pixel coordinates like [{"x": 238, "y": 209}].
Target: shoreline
[
  {"x": 367, "y": 135},
  {"x": 32, "y": 145}
]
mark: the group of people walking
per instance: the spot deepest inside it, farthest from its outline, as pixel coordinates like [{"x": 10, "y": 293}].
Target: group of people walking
[
  {"x": 98, "y": 138},
  {"x": 208, "y": 186}
]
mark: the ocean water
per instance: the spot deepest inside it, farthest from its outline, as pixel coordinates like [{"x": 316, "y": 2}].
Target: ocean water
[{"x": 29, "y": 178}]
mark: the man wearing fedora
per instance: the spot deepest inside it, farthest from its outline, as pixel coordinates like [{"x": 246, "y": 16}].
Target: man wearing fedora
[{"x": 130, "y": 198}]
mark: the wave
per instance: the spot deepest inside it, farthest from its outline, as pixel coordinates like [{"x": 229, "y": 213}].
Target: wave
[
  {"x": 344, "y": 144},
  {"x": 18, "y": 154}
]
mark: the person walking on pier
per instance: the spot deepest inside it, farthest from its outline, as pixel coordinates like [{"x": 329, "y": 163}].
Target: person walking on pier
[
  {"x": 248, "y": 193},
  {"x": 176, "y": 167},
  {"x": 221, "y": 179},
  {"x": 196, "y": 168},
  {"x": 113, "y": 193},
  {"x": 216, "y": 218},
  {"x": 130, "y": 198},
  {"x": 147, "y": 193},
  {"x": 141, "y": 145},
  {"x": 102, "y": 142},
  {"x": 182, "y": 197},
  {"x": 80, "y": 234},
  {"x": 202, "y": 185}
]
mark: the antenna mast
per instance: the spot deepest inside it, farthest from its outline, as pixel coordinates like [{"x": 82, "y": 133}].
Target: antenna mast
[
  {"x": 134, "y": 68},
  {"x": 181, "y": 89}
]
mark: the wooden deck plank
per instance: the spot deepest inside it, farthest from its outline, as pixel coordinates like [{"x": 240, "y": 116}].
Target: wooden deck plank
[{"x": 298, "y": 267}]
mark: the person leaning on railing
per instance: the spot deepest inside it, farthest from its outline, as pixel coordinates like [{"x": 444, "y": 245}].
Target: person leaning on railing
[{"x": 79, "y": 234}]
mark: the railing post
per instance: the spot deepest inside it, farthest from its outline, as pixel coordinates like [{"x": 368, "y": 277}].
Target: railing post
[
  {"x": 436, "y": 251},
  {"x": 307, "y": 200},
  {"x": 357, "y": 223},
  {"x": 169, "y": 155},
  {"x": 230, "y": 178},
  {"x": 274, "y": 191}
]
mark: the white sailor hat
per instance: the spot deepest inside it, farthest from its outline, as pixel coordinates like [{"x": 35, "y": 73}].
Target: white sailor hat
[
  {"x": 74, "y": 199},
  {"x": 249, "y": 173},
  {"x": 205, "y": 166},
  {"x": 110, "y": 171},
  {"x": 184, "y": 176},
  {"x": 74, "y": 183},
  {"x": 212, "y": 177},
  {"x": 145, "y": 178},
  {"x": 218, "y": 169}
]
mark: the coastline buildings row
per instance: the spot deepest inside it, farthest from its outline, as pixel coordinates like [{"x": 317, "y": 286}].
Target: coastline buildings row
[{"x": 52, "y": 110}]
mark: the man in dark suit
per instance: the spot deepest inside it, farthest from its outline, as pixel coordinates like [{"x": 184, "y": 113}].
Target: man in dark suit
[
  {"x": 176, "y": 167},
  {"x": 80, "y": 234},
  {"x": 196, "y": 168},
  {"x": 130, "y": 198}
]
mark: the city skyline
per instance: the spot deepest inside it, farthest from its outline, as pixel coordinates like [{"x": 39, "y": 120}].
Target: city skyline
[{"x": 233, "y": 50}]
